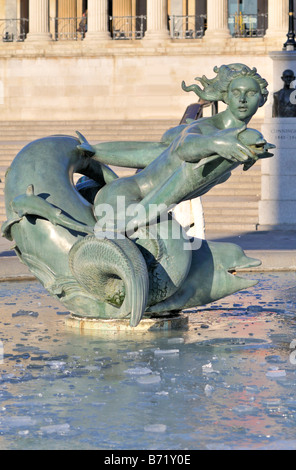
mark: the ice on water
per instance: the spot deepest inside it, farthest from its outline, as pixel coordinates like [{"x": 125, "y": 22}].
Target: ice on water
[{"x": 228, "y": 382}]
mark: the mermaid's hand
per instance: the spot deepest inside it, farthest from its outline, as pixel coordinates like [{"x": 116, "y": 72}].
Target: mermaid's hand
[{"x": 228, "y": 146}]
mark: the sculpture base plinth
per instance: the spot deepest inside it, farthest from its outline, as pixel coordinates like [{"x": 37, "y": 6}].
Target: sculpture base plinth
[
  {"x": 278, "y": 193},
  {"x": 100, "y": 325}
]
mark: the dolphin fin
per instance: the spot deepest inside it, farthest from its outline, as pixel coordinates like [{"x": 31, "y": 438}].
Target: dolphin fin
[
  {"x": 30, "y": 190},
  {"x": 84, "y": 146}
]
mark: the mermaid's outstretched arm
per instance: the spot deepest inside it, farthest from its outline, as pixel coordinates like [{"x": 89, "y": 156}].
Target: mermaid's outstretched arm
[
  {"x": 133, "y": 154},
  {"x": 128, "y": 154}
]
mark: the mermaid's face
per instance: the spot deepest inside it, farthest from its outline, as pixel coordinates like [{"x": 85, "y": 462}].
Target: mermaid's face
[{"x": 244, "y": 98}]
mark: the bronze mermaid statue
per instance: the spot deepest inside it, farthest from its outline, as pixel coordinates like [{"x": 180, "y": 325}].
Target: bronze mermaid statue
[{"x": 109, "y": 247}]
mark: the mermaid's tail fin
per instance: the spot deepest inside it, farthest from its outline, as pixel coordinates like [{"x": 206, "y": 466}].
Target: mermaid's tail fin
[{"x": 114, "y": 271}]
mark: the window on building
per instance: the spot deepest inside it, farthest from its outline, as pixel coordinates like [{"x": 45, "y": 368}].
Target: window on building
[
  {"x": 68, "y": 20},
  {"x": 14, "y": 21},
  {"x": 187, "y": 19},
  {"x": 247, "y": 18},
  {"x": 24, "y": 15},
  {"x": 128, "y": 18}
]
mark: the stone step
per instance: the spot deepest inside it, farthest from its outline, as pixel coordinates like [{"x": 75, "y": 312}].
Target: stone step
[
  {"x": 92, "y": 136},
  {"x": 242, "y": 212},
  {"x": 3, "y": 170},
  {"x": 221, "y": 227},
  {"x": 132, "y": 123},
  {"x": 230, "y": 219},
  {"x": 99, "y": 130},
  {"x": 215, "y": 213},
  {"x": 232, "y": 206},
  {"x": 6, "y": 149},
  {"x": 237, "y": 189},
  {"x": 114, "y": 128},
  {"x": 95, "y": 125},
  {"x": 216, "y": 201},
  {"x": 236, "y": 192}
]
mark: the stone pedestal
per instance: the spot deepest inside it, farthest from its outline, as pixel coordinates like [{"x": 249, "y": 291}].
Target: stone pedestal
[
  {"x": 281, "y": 60},
  {"x": 277, "y": 208},
  {"x": 98, "y": 325},
  {"x": 278, "y": 174}
]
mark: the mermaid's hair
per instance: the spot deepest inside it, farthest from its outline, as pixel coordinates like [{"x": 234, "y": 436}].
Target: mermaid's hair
[{"x": 215, "y": 89}]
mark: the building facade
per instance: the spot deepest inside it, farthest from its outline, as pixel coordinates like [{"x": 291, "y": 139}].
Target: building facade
[{"x": 126, "y": 59}]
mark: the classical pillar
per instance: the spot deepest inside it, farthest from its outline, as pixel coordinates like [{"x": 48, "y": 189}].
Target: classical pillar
[
  {"x": 157, "y": 20},
  {"x": 39, "y": 21},
  {"x": 97, "y": 21},
  {"x": 278, "y": 20},
  {"x": 217, "y": 20}
]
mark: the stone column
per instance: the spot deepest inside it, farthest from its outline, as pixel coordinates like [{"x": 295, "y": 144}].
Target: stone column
[
  {"x": 39, "y": 21},
  {"x": 278, "y": 20},
  {"x": 217, "y": 20},
  {"x": 97, "y": 21},
  {"x": 157, "y": 20}
]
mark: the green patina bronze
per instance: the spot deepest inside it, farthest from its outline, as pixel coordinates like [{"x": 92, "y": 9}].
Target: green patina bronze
[{"x": 109, "y": 247}]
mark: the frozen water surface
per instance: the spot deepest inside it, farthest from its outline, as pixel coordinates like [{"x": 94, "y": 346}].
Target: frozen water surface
[{"x": 228, "y": 382}]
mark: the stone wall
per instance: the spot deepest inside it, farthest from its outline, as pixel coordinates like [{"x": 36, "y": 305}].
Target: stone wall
[{"x": 113, "y": 80}]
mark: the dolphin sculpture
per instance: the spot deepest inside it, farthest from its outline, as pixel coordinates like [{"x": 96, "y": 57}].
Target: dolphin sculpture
[
  {"x": 102, "y": 260},
  {"x": 53, "y": 228}
]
